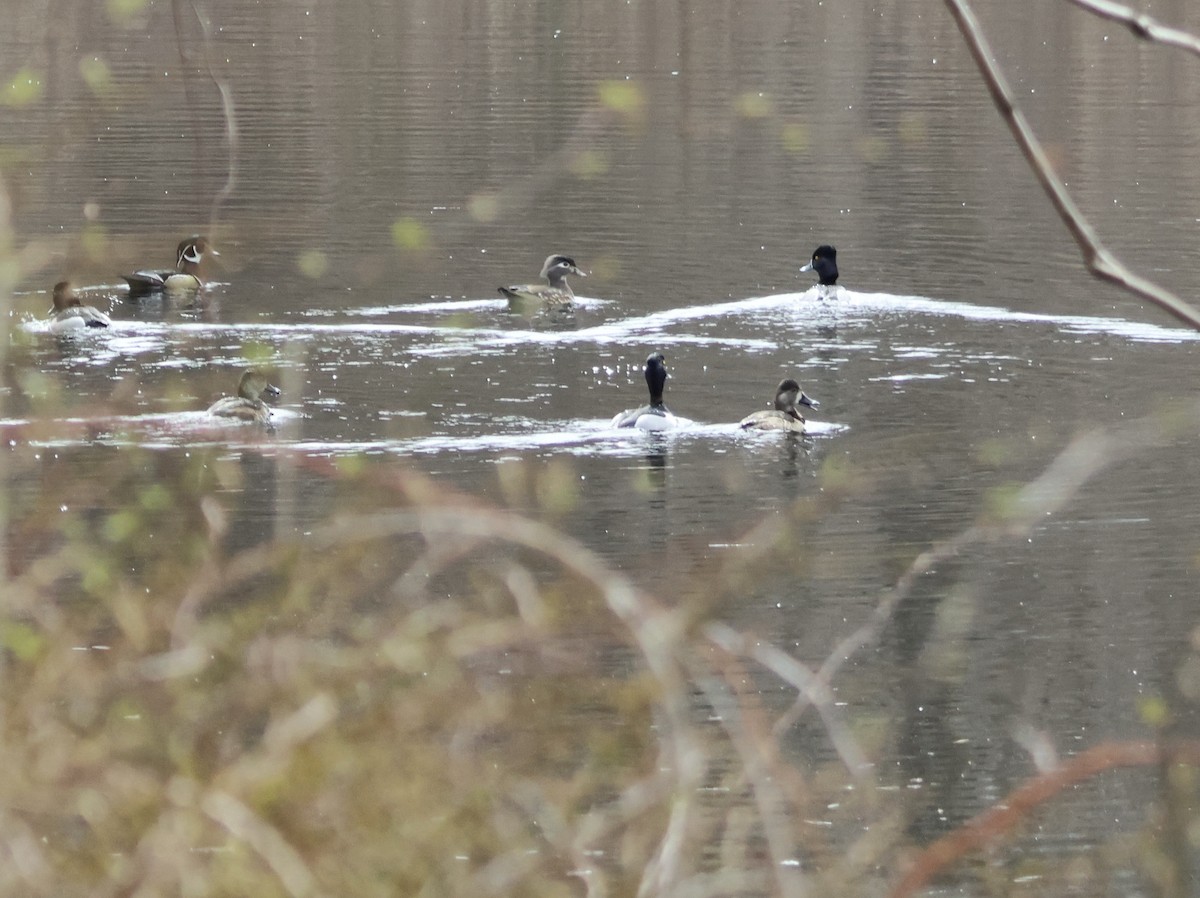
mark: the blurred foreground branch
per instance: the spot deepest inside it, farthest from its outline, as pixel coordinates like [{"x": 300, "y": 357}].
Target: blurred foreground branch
[
  {"x": 1010, "y": 811},
  {"x": 227, "y": 107}
]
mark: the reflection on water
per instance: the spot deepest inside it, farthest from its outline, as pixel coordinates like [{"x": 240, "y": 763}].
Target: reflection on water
[{"x": 396, "y": 164}]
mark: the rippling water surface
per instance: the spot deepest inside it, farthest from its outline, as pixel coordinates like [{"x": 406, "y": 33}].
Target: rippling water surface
[{"x": 396, "y": 164}]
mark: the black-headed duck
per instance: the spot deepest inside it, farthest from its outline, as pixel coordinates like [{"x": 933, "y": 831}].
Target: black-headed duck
[
  {"x": 824, "y": 263},
  {"x": 655, "y": 416}
]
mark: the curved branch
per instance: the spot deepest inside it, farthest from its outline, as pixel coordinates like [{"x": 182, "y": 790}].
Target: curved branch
[
  {"x": 1099, "y": 260},
  {"x": 1017, "y": 805}
]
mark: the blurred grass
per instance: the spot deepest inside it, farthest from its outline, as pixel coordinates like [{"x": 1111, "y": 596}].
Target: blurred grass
[
  {"x": 423, "y": 695},
  {"x": 385, "y": 716}
]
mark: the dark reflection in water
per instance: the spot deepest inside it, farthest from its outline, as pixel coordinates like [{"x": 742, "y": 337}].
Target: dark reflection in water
[{"x": 397, "y": 162}]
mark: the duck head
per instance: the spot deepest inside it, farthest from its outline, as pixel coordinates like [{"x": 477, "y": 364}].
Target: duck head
[
  {"x": 64, "y": 296},
  {"x": 254, "y": 384},
  {"x": 558, "y": 267},
  {"x": 788, "y": 395},
  {"x": 191, "y": 250},
  {"x": 824, "y": 263},
  {"x": 656, "y": 376}
]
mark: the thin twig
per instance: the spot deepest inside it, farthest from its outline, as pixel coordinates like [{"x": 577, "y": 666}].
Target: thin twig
[
  {"x": 812, "y": 687},
  {"x": 1099, "y": 260},
  {"x": 1018, "y": 804},
  {"x": 761, "y": 769},
  {"x": 231, "y": 128},
  {"x": 1086, "y": 456},
  {"x": 1143, "y": 26}
]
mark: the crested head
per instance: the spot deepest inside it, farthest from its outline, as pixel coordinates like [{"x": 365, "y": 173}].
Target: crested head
[
  {"x": 192, "y": 250},
  {"x": 558, "y": 266},
  {"x": 64, "y": 296}
]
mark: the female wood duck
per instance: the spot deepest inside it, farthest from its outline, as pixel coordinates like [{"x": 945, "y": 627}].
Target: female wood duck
[
  {"x": 70, "y": 314},
  {"x": 185, "y": 278},
  {"x": 824, "y": 263},
  {"x": 655, "y": 416},
  {"x": 556, "y": 296},
  {"x": 247, "y": 405},
  {"x": 785, "y": 415}
]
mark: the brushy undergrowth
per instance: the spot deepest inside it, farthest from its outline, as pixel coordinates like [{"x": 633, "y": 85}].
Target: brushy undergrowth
[{"x": 403, "y": 691}]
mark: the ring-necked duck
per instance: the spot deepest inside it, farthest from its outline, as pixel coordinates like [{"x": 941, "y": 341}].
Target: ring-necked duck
[
  {"x": 70, "y": 314},
  {"x": 655, "y": 416},
  {"x": 824, "y": 263},
  {"x": 185, "y": 277},
  {"x": 247, "y": 404},
  {"x": 554, "y": 296},
  {"x": 785, "y": 415}
]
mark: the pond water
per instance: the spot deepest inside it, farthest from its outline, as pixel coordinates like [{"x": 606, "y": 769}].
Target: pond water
[{"x": 396, "y": 163}]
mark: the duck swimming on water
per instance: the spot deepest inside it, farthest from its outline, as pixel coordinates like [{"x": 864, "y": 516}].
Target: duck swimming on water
[
  {"x": 247, "y": 405},
  {"x": 183, "y": 278},
  {"x": 553, "y": 296},
  {"x": 785, "y": 415},
  {"x": 70, "y": 314},
  {"x": 655, "y": 416}
]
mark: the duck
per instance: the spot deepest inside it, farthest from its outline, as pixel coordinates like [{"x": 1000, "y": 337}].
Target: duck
[
  {"x": 554, "y": 296},
  {"x": 784, "y": 416},
  {"x": 824, "y": 263},
  {"x": 247, "y": 405},
  {"x": 70, "y": 314},
  {"x": 184, "y": 278},
  {"x": 655, "y": 416}
]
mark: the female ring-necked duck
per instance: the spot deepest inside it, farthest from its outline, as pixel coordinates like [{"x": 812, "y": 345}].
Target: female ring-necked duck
[
  {"x": 70, "y": 314},
  {"x": 655, "y": 416},
  {"x": 785, "y": 415},
  {"x": 184, "y": 278},
  {"x": 554, "y": 296},
  {"x": 247, "y": 405},
  {"x": 824, "y": 263}
]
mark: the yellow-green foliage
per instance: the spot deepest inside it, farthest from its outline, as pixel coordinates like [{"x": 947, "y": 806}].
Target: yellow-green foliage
[{"x": 377, "y": 717}]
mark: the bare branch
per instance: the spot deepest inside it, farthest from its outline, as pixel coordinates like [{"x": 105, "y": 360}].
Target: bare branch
[
  {"x": 1099, "y": 260},
  {"x": 1142, "y": 25},
  {"x": 231, "y": 128},
  {"x": 1015, "y": 807}
]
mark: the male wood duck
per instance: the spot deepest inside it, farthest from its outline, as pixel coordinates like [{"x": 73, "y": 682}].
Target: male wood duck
[
  {"x": 555, "y": 296},
  {"x": 185, "y": 278},
  {"x": 247, "y": 405},
  {"x": 785, "y": 415},
  {"x": 824, "y": 263},
  {"x": 655, "y": 416},
  {"x": 70, "y": 314}
]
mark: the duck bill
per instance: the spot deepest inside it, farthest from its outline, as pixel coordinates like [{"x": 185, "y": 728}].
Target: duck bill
[
  {"x": 805, "y": 399},
  {"x": 808, "y": 267}
]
